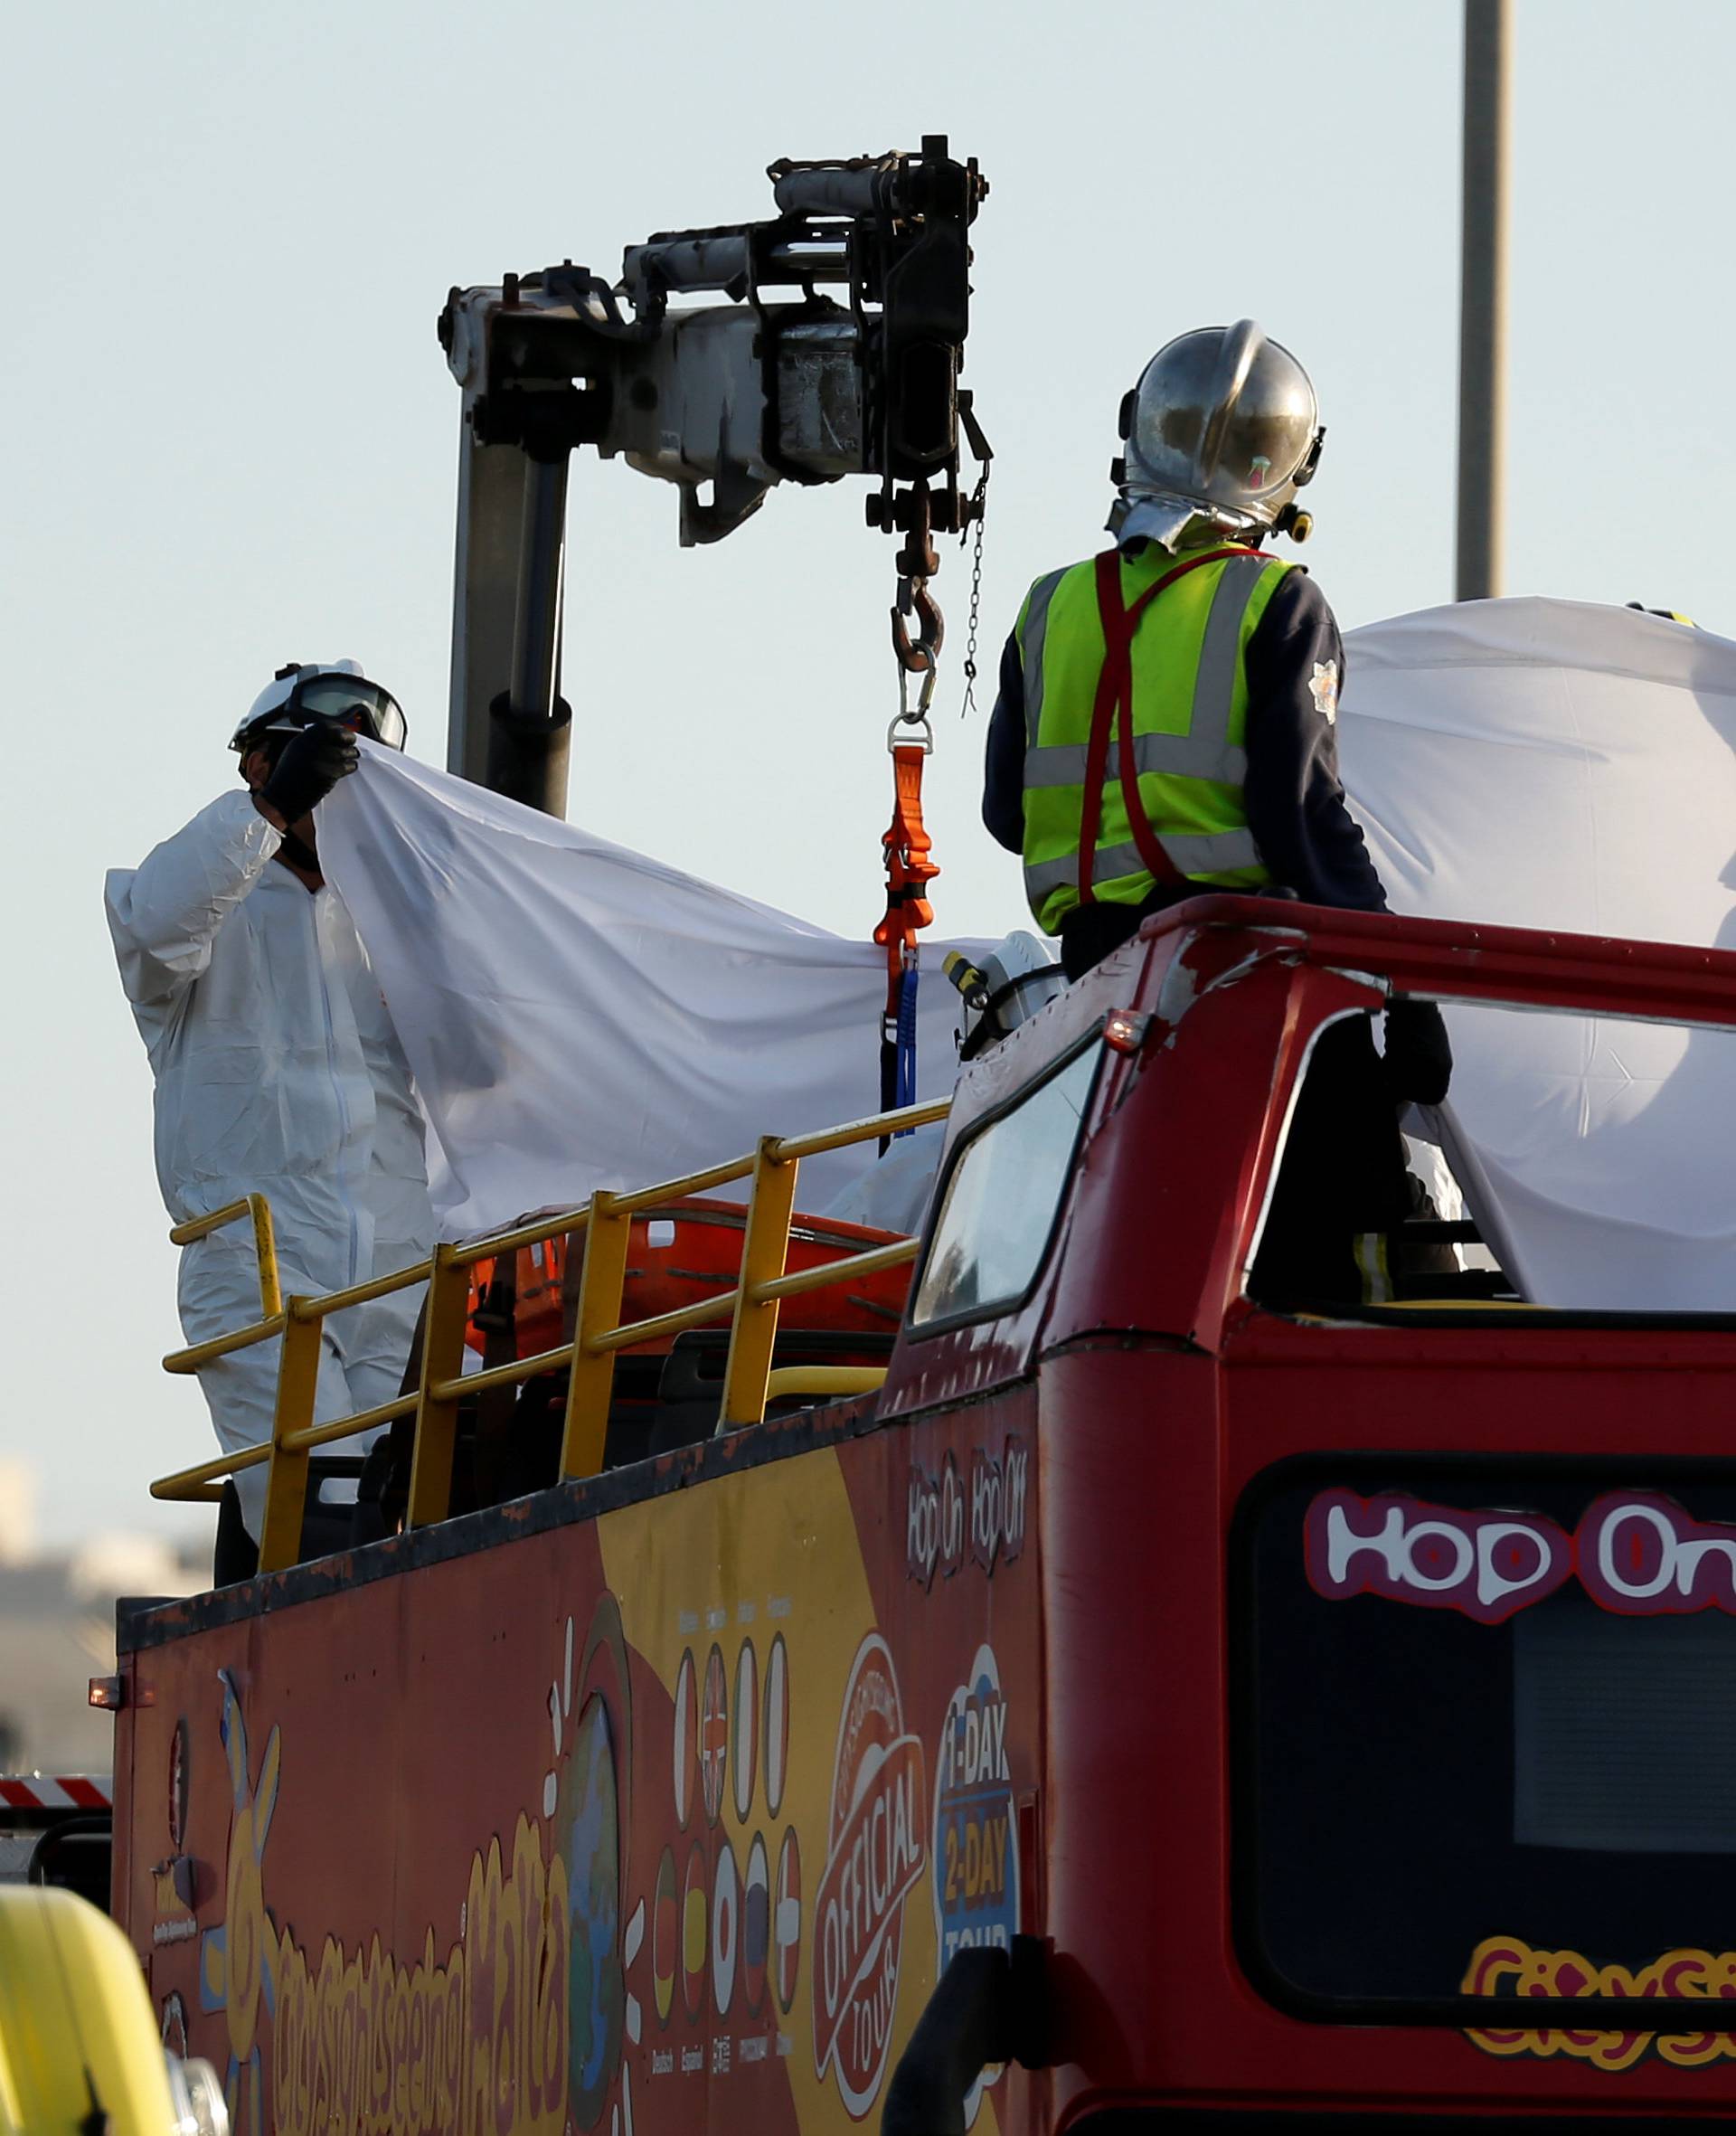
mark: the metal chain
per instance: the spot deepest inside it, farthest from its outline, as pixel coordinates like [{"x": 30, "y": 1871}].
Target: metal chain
[
  {"x": 979, "y": 509},
  {"x": 916, "y": 654}
]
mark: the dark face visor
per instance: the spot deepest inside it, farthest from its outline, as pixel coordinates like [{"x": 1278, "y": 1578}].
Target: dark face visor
[
  {"x": 345, "y": 700},
  {"x": 348, "y": 701}
]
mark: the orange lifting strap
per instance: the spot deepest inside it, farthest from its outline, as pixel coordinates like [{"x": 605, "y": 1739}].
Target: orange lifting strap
[
  {"x": 908, "y": 873},
  {"x": 909, "y": 869}
]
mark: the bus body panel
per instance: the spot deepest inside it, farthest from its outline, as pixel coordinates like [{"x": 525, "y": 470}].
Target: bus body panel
[
  {"x": 468, "y": 1830},
  {"x": 668, "y": 1814}
]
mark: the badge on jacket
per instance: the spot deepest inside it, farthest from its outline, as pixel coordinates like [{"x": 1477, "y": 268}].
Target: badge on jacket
[{"x": 1322, "y": 687}]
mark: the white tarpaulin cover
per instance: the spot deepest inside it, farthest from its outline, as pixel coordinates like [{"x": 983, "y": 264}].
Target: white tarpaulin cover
[
  {"x": 577, "y": 1015},
  {"x": 1551, "y": 764}
]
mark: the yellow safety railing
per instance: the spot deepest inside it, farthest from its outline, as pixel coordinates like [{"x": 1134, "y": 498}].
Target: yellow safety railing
[
  {"x": 205, "y": 1482},
  {"x": 751, "y": 1306}
]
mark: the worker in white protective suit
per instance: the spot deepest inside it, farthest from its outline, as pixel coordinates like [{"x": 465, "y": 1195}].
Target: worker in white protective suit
[{"x": 277, "y": 1068}]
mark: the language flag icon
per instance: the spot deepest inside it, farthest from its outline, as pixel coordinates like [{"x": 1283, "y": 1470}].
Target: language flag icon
[
  {"x": 776, "y": 1722},
  {"x": 686, "y": 1739},
  {"x": 786, "y": 1918},
  {"x": 714, "y": 1736},
  {"x": 665, "y": 1936},
  {"x": 746, "y": 1730},
  {"x": 695, "y": 1939},
  {"x": 631, "y": 1945},
  {"x": 726, "y": 1928},
  {"x": 756, "y": 1925}
]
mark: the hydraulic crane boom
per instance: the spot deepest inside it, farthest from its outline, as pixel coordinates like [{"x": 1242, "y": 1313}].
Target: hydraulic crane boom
[{"x": 723, "y": 399}]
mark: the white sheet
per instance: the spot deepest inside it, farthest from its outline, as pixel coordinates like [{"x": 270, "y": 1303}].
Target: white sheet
[
  {"x": 577, "y": 1015},
  {"x": 1551, "y": 764}
]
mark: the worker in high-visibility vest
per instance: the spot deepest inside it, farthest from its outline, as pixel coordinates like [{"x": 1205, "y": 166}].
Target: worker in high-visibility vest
[
  {"x": 1165, "y": 722},
  {"x": 1218, "y": 663},
  {"x": 1221, "y": 663}
]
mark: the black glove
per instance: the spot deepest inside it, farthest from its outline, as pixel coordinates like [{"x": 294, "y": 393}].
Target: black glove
[
  {"x": 1419, "y": 1058},
  {"x": 310, "y": 766}
]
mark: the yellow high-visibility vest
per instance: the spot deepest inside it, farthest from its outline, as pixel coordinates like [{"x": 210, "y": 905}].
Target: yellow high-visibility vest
[{"x": 1189, "y": 721}]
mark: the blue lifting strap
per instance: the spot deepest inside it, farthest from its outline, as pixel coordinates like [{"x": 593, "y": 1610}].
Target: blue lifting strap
[{"x": 904, "y": 1083}]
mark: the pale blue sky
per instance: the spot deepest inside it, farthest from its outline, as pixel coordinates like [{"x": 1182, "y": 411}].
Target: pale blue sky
[{"x": 231, "y": 437}]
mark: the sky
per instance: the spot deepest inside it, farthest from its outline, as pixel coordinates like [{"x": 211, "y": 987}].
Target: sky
[{"x": 231, "y": 440}]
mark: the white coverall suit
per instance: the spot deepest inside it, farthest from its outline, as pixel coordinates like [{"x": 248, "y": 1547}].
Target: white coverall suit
[{"x": 277, "y": 1072}]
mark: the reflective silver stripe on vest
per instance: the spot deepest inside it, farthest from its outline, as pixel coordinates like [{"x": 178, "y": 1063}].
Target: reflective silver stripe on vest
[
  {"x": 1214, "y": 686},
  {"x": 1214, "y": 854},
  {"x": 1182, "y": 756},
  {"x": 1036, "y": 630}
]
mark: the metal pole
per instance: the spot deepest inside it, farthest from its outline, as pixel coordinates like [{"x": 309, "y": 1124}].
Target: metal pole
[
  {"x": 529, "y": 728},
  {"x": 485, "y": 594},
  {"x": 1482, "y": 318},
  {"x": 536, "y": 622},
  {"x": 509, "y": 730}
]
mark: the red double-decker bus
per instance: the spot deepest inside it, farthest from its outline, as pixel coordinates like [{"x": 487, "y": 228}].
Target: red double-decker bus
[{"x": 1169, "y": 1697}]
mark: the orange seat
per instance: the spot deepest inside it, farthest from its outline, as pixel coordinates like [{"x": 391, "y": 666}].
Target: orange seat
[{"x": 689, "y": 1250}]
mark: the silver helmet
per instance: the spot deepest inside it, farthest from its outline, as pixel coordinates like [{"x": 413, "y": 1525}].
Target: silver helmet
[{"x": 1221, "y": 431}]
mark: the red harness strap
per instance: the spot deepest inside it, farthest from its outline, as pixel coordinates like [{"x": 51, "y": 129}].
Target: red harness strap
[{"x": 1113, "y": 708}]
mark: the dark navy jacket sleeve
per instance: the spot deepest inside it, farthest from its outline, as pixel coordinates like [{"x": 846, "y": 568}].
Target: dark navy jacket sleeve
[
  {"x": 1295, "y": 799},
  {"x": 1004, "y": 771}
]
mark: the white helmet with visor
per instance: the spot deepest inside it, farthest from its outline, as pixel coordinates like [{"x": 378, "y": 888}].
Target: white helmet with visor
[{"x": 337, "y": 692}]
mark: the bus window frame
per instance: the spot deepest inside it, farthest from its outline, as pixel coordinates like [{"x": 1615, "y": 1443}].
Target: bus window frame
[
  {"x": 1281, "y": 1142},
  {"x": 1000, "y": 1309},
  {"x": 1507, "y": 1315}
]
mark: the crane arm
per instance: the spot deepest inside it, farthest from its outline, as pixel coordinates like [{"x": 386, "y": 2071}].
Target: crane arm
[{"x": 773, "y": 379}]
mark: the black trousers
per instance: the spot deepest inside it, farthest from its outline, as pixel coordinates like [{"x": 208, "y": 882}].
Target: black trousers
[
  {"x": 1340, "y": 1180},
  {"x": 1088, "y": 933}
]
